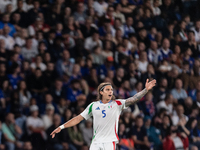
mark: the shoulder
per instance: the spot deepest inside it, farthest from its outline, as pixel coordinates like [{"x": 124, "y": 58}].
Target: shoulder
[
  {"x": 118, "y": 101},
  {"x": 92, "y": 104},
  {"x": 173, "y": 90},
  {"x": 88, "y": 39},
  {"x": 29, "y": 119},
  {"x": 161, "y": 103},
  {"x": 183, "y": 90},
  {"x": 3, "y": 126},
  {"x": 39, "y": 119}
]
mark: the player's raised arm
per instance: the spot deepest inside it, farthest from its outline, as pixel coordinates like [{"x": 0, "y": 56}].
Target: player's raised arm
[
  {"x": 74, "y": 121},
  {"x": 139, "y": 95}
]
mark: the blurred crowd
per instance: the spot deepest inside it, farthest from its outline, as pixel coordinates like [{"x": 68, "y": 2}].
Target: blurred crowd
[{"x": 54, "y": 54}]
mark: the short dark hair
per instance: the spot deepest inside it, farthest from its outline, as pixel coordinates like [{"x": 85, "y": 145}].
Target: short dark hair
[
  {"x": 167, "y": 96},
  {"x": 115, "y": 6},
  {"x": 186, "y": 62},
  {"x": 36, "y": 1},
  {"x": 29, "y": 38},
  {"x": 190, "y": 31},
  {"x": 74, "y": 81},
  {"x": 38, "y": 69},
  {"x": 139, "y": 117}
]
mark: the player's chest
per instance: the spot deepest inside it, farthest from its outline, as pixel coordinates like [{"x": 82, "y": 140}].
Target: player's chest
[{"x": 104, "y": 111}]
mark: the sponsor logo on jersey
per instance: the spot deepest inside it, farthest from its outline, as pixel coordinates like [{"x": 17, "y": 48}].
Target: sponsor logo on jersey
[{"x": 97, "y": 108}]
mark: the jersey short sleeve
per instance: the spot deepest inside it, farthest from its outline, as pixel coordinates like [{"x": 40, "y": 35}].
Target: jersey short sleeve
[
  {"x": 121, "y": 103},
  {"x": 87, "y": 113}
]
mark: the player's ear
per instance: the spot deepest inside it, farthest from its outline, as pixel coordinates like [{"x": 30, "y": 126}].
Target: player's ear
[{"x": 101, "y": 92}]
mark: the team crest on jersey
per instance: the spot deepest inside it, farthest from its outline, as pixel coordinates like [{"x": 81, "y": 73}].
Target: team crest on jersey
[{"x": 97, "y": 108}]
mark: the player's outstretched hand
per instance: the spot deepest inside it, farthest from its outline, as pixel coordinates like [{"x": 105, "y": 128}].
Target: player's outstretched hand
[
  {"x": 150, "y": 85},
  {"x": 57, "y": 130}
]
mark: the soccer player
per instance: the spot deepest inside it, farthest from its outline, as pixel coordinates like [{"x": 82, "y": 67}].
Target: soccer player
[{"x": 105, "y": 112}]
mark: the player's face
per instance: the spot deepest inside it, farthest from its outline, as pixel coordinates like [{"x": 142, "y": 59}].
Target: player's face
[{"x": 107, "y": 93}]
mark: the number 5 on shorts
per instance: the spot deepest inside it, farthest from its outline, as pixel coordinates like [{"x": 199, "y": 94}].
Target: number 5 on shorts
[{"x": 104, "y": 114}]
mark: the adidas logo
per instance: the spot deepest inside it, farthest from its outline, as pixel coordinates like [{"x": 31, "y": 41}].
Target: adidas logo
[{"x": 97, "y": 108}]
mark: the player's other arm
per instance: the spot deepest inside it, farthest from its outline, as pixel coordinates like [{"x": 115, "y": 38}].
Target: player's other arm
[
  {"x": 139, "y": 95},
  {"x": 74, "y": 121}
]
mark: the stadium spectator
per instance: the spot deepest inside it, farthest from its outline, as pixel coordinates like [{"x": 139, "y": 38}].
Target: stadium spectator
[
  {"x": 35, "y": 128},
  {"x": 165, "y": 51},
  {"x": 147, "y": 106},
  {"x": 125, "y": 142},
  {"x": 76, "y": 137},
  {"x": 74, "y": 90},
  {"x": 188, "y": 104},
  {"x": 117, "y": 13},
  {"x": 178, "y": 92},
  {"x": 167, "y": 103},
  {"x": 9, "y": 40},
  {"x": 38, "y": 64},
  {"x": 128, "y": 27},
  {"x": 165, "y": 125},
  {"x": 64, "y": 65},
  {"x": 192, "y": 44},
  {"x": 175, "y": 140},
  {"x": 27, "y": 146},
  {"x": 153, "y": 134},
  {"x": 14, "y": 77},
  {"x": 179, "y": 117},
  {"x": 127, "y": 121},
  {"x": 29, "y": 51},
  {"x": 10, "y": 131},
  {"x": 6, "y": 22},
  {"x": 119, "y": 77},
  {"x": 87, "y": 132},
  {"x": 24, "y": 95},
  {"x": 139, "y": 135},
  {"x": 80, "y": 15},
  {"x": 196, "y": 30},
  {"x": 22, "y": 13},
  {"x": 58, "y": 91},
  {"x": 154, "y": 55},
  {"x": 48, "y": 116},
  {"x": 37, "y": 84},
  {"x": 194, "y": 131},
  {"x": 92, "y": 41},
  {"x": 62, "y": 140},
  {"x": 100, "y": 7}
]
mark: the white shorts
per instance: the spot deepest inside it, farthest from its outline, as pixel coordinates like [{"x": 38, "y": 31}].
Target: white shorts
[{"x": 103, "y": 146}]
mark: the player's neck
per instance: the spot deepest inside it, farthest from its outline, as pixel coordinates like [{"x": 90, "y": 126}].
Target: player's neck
[{"x": 104, "y": 101}]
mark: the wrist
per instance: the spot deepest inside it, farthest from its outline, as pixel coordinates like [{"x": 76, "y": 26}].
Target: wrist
[{"x": 62, "y": 127}]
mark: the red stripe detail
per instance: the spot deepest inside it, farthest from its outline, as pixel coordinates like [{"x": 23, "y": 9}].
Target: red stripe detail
[
  {"x": 116, "y": 131},
  {"x": 118, "y": 102},
  {"x": 114, "y": 145}
]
